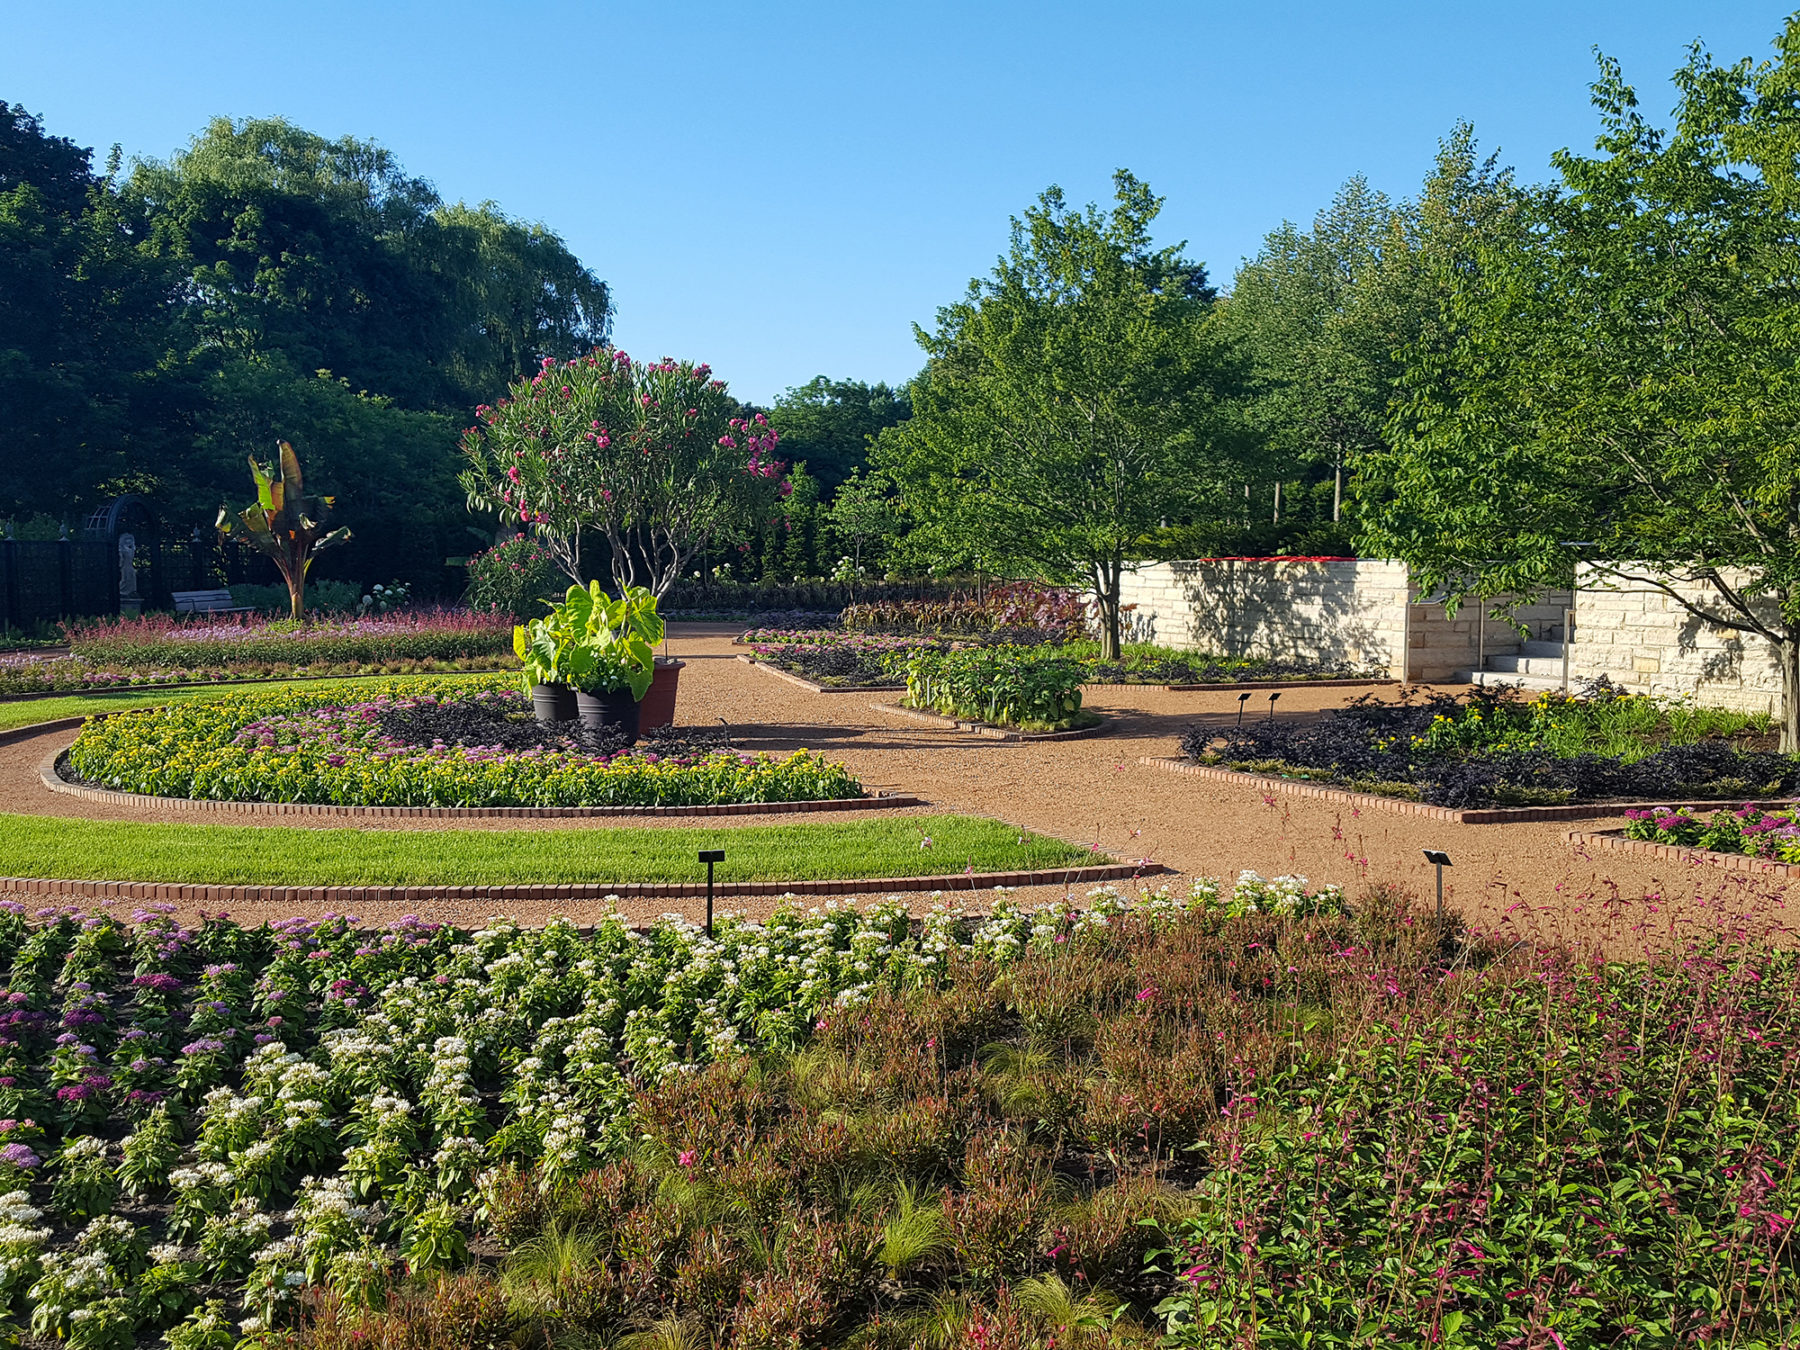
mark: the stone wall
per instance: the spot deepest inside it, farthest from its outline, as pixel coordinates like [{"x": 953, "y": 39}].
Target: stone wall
[
  {"x": 1357, "y": 610},
  {"x": 1645, "y": 641}
]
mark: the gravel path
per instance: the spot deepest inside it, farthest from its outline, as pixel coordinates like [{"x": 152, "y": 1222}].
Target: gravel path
[{"x": 1524, "y": 878}]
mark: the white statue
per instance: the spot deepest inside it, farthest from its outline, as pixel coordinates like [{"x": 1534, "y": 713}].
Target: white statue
[{"x": 128, "y": 567}]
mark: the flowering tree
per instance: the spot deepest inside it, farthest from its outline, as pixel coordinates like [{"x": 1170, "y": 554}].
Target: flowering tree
[{"x": 650, "y": 456}]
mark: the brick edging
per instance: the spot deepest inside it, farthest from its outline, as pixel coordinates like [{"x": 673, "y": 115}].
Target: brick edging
[
  {"x": 815, "y": 688},
  {"x": 990, "y": 732},
  {"x": 199, "y": 893},
  {"x": 50, "y": 773},
  {"x": 1485, "y": 815},
  {"x": 1614, "y": 841}
]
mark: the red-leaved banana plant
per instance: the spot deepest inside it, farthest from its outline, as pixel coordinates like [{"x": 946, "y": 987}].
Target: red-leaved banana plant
[{"x": 278, "y": 523}]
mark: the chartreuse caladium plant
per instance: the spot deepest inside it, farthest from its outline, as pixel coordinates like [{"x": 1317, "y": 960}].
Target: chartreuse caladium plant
[{"x": 279, "y": 524}]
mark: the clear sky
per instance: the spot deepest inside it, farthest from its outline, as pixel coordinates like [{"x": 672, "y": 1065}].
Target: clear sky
[{"x": 784, "y": 189}]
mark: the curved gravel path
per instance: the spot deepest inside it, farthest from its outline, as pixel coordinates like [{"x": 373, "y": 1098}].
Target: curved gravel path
[{"x": 1525, "y": 878}]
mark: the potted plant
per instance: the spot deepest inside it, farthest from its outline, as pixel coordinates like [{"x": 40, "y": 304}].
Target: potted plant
[
  {"x": 612, "y": 658},
  {"x": 658, "y": 707},
  {"x": 543, "y": 646}
]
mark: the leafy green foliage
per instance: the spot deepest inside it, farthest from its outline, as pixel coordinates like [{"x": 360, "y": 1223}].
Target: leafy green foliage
[
  {"x": 828, "y": 425},
  {"x": 1613, "y": 382},
  {"x": 1072, "y": 404},
  {"x": 1007, "y": 686},
  {"x": 279, "y": 524}
]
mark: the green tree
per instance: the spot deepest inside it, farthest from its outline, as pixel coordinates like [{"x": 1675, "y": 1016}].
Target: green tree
[
  {"x": 863, "y": 517},
  {"x": 1614, "y": 380},
  {"x": 82, "y": 321},
  {"x": 1072, "y": 404},
  {"x": 1321, "y": 316},
  {"x": 829, "y": 424},
  {"x": 330, "y": 253}
]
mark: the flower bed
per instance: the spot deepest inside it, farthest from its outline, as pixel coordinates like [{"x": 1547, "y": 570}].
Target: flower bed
[
  {"x": 1499, "y": 750},
  {"x": 352, "y": 746},
  {"x": 1749, "y": 830},
  {"x": 843, "y": 659},
  {"x": 160, "y": 642},
  {"x": 176, "y": 1097},
  {"x": 1243, "y": 1106}
]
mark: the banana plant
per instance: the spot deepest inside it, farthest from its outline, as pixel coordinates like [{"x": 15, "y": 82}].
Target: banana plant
[{"x": 278, "y": 523}]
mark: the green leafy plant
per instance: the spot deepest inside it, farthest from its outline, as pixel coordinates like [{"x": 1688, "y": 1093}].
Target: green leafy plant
[
  {"x": 279, "y": 526},
  {"x": 593, "y": 642},
  {"x": 1008, "y": 686}
]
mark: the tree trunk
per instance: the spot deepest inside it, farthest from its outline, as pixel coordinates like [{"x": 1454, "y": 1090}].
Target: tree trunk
[
  {"x": 1106, "y": 600},
  {"x": 296, "y": 585},
  {"x": 1789, "y": 650}
]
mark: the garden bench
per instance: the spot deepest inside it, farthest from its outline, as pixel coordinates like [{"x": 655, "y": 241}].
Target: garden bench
[{"x": 209, "y": 602}]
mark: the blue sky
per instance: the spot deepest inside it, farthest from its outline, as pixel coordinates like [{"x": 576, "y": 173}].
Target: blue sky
[{"x": 784, "y": 189}]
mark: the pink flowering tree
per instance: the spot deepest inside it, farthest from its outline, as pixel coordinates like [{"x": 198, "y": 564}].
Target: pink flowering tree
[{"x": 652, "y": 457}]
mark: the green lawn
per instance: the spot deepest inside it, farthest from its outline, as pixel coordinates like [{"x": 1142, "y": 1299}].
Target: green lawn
[
  {"x": 25, "y": 711},
  {"x": 276, "y": 855}
]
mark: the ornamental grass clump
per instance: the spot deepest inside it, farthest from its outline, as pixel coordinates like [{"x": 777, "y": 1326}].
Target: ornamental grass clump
[{"x": 359, "y": 746}]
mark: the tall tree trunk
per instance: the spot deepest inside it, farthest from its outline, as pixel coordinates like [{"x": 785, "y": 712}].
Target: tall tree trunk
[
  {"x": 1107, "y": 588},
  {"x": 1789, "y": 652},
  {"x": 296, "y": 584}
]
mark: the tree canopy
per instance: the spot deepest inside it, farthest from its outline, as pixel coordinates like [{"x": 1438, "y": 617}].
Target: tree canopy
[
  {"x": 1615, "y": 384},
  {"x": 158, "y": 326},
  {"x": 1072, "y": 403}
]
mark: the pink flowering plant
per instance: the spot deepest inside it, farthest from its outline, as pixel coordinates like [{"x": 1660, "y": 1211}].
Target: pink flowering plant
[
  {"x": 1750, "y": 829},
  {"x": 656, "y": 458}
]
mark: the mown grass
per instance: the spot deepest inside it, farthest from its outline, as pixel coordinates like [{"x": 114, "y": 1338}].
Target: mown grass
[{"x": 253, "y": 855}]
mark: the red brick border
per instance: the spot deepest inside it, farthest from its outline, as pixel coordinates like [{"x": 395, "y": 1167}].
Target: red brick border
[
  {"x": 993, "y": 733},
  {"x": 1614, "y": 841},
  {"x": 1489, "y": 815},
  {"x": 814, "y": 688},
  {"x": 50, "y": 772},
  {"x": 196, "y": 893}
]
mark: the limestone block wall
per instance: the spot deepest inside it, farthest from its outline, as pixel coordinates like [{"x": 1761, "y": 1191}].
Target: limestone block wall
[
  {"x": 1644, "y": 641},
  {"x": 1359, "y": 610}
]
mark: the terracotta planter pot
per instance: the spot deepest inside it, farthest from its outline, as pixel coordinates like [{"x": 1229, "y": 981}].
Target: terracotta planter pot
[
  {"x": 553, "y": 702},
  {"x": 658, "y": 707},
  {"x": 618, "y": 711}
]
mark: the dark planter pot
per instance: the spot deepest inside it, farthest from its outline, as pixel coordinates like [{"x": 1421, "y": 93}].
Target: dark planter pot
[
  {"x": 658, "y": 707},
  {"x": 601, "y": 711},
  {"x": 553, "y": 702}
]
